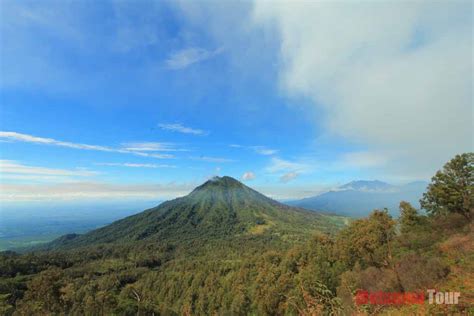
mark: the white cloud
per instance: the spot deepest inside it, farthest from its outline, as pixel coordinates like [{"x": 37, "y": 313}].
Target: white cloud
[
  {"x": 281, "y": 191},
  {"x": 287, "y": 177},
  {"x": 395, "y": 76},
  {"x": 261, "y": 150},
  {"x": 287, "y": 170},
  {"x": 247, "y": 176},
  {"x": 280, "y": 165},
  {"x": 180, "y": 128},
  {"x": 13, "y": 136},
  {"x": 13, "y": 170},
  {"x": 151, "y": 146},
  {"x": 10, "y": 166},
  {"x": 363, "y": 159},
  {"x": 188, "y": 56},
  {"x": 158, "y": 156},
  {"x": 90, "y": 190},
  {"x": 134, "y": 165},
  {"x": 264, "y": 151},
  {"x": 18, "y": 137},
  {"x": 212, "y": 159}
]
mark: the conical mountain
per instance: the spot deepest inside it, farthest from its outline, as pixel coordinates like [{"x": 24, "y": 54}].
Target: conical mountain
[{"x": 221, "y": 208}]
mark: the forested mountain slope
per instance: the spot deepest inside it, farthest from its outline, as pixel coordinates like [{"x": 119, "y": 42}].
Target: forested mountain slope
[{"x": 220, "y": 208}]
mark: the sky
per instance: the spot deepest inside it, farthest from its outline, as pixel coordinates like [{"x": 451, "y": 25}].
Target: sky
[{"x": 111, "y": 100}]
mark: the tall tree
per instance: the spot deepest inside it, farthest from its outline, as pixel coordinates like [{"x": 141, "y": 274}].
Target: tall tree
[
  {"x": 408, "y": 217},
  {"x": 452, "y": 188},
  {"x": 367, "y": 241}
]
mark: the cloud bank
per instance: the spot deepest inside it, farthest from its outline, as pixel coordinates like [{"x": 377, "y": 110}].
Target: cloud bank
[{"x": 393, "y": 76}]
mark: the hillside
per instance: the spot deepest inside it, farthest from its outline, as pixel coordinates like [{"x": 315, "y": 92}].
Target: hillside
[
  {"x": 359, "y": 198},
  {"x": 225, "y": 249},
  {"x": 221, "y": 208}
]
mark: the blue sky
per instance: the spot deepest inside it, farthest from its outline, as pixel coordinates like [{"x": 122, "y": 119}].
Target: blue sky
[{"x": 125, "y": 99}]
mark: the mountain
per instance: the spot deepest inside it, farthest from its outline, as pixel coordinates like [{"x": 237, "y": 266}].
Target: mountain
[
  {"x": 221, "y": 208},
  {"x": 359, "y": 198},
  {"x": 366, "y": 185}
]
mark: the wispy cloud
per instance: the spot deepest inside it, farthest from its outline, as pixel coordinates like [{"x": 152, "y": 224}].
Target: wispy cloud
[
  {"x": 180, "y": 128},
  {"x": 287, "y": 177},
  {"x": 18, "y": 137},
  {"x": 134, "y": 165},
  {"x": 249, "y": 175},
  {"x": 261, "y": 150},
  {"x": 189, "y": 56},
  {"x": 14, "y": 170},
  {"x": 280, "y": 165},
  {"x": 91, "y": 190},
  {"x": 264, "y": 151},
  {"x": 151, "y": 146},
  {"x": 288, "y": 170},
  {"x": 13, "y": 136},
  {"x": 138, "y": 153},
  {"x": 212, "y": 159},
  {"x": 363, "y": 159}
]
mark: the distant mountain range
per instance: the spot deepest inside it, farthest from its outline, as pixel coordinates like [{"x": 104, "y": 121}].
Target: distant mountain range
[
  {"x": 359, "y": 198},
  {"x": 220, "y": 209}
]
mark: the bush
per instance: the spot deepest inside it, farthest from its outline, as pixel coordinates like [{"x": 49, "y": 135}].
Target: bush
[{"x": 418, "y": 272}]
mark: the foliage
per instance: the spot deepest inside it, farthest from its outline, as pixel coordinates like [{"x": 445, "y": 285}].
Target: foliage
[
  {"x": 409, "y": 217},
  {"x": 367, "y": 241},
  {"x": 228, "y": 271},
  {"x": 452, "y": 189}
]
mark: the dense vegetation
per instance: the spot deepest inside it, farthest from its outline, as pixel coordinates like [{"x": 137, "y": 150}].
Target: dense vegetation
[{"x": 259, "y": 260}]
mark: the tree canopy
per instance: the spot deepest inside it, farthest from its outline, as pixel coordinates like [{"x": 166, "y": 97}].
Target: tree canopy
[{"x": 452, "y": 189}]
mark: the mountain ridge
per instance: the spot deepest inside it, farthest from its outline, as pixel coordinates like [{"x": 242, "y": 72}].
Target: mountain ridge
[
  {"x": 366, "y": 185},
  {"x": 358, "y": 198},
  {"x": 220, "y": 208}
]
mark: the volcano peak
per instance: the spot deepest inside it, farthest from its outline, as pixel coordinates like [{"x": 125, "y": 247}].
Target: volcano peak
[{"x": 217, "y": 182}]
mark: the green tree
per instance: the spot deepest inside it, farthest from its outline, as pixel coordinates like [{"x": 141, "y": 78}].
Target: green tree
[
  {"x": 44, "y": 294},
  {"x": 367, "y": 241},
  {"x": 409, "y": 217},
  {"x": 5, "y": 307},
  {"x": 452, "y": 189}
]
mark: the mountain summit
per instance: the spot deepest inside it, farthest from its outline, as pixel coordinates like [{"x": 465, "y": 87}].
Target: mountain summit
[
  {"x": 223, "y": 182},
  {"x": 221, "y": 208},
  {"x": 366, "y": 185}
]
